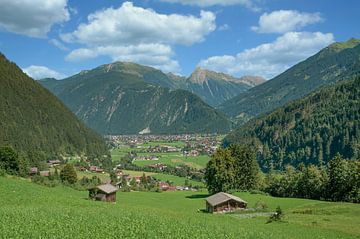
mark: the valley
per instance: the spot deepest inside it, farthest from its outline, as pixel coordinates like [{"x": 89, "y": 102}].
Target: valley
[{"x": 179, "y": 119}]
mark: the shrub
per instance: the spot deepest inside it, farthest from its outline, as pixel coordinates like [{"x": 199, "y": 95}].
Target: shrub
[{"x": 277, "y": 216}]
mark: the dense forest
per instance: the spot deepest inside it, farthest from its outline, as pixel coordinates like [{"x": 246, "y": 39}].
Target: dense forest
[
  {"x": 36, "y": 123},
  {"x": 311, "y": 130}
]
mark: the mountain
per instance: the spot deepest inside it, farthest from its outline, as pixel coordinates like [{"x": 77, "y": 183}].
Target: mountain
[
  {"x": 126, "y": 98},
  {"x": 36, "y": 122},
  {"x": 215, "y": 88},
  {"x": 336, "y": 62},
  {"x": 311, "y": 130}
]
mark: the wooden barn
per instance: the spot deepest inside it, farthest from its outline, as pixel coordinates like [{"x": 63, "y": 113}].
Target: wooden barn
[
  {"x": 105, "y": 193},
  {"x": 224, "y": 202}
]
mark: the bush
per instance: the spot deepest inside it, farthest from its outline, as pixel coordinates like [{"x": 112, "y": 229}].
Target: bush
[
  {"x": 68, "y": 174},
  {"x": 261, "y": 205},
  {"x": 277, "y": 216},
  {"x": 2, "y": 172}
]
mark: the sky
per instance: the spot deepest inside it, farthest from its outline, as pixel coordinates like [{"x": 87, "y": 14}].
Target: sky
[{"x": 59, "y": 38}]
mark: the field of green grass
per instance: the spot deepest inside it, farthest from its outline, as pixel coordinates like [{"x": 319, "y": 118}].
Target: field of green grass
[
  {"x": 171, "y": 158},
  {"x": 29, "y": 210},
  {"x": 177, "y": 181},
  {"x": 176, "y": 159}
]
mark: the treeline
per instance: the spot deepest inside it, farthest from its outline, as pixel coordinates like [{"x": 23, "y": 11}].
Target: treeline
[
  {"x": 181, "y": 171},
  {"x": 310, "y": 131},
  {"x": 236, "y": 169},
  {"x": 338, "y": 181}
]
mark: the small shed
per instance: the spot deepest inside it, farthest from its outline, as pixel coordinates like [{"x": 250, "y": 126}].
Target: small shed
[
  {"x": 224, "y": 202},
  {"x": 105, "y": 193}
]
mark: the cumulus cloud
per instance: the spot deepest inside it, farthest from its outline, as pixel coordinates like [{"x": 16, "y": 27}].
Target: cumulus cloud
[
  {"x": 40, "y": 72},
  {"x": 58, "y": 44},
  {"x": 32, "y": 17},
  {"x": 209, "y": 3},
  {"x": 285, "y": 20},
  {"x": 155, "y": 55},
  {"x": 270, "y": 59},
  {"x": 138, "y": 34},
  {"x": 133, "y": 25}
]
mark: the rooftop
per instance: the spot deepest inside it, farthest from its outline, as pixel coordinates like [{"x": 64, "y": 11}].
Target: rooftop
[
  {"x": 222, "y": 197},
  {"x": 107, "y": 188}
]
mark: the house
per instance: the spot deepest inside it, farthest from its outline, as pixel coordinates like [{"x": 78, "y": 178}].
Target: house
[
  {"x": 54, "y": 163},
  {"x": 224, "y": 202},
  {"x": 45, "y": 173},
  {"x": 93, "y": 168},
  {"x": 33, "y": 171},
  {"x": 105, "y": 193},
  {"x": 164, "y": 186}
]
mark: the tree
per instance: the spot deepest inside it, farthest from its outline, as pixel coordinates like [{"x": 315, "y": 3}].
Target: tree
[
  {"x": 68, "y": 174},
  {"x": 246, "y": 167},
  {"x": 233, "y": 168},
  {"x": 9, "y": 160},
  {"x": 219, "y": 172}
]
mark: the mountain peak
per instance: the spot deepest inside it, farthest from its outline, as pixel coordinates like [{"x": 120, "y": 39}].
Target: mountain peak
[
  {"x": 201, "y": 75},
  {"x": 339, "y": 46}
]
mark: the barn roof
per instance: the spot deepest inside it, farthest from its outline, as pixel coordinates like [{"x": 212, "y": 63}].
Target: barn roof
[
  {"x": 222, "y": 197},
  {"x": 107, "y": 188}
]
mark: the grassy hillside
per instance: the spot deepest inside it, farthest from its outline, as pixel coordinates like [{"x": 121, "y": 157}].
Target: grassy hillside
[
  {"x": 339, "y": 61},
  {"x": 311, "y": 130},
  {"x": 32, "y": 120},
  {"x": 113, "y": 101},
  {"x": 32, "y": 211}
]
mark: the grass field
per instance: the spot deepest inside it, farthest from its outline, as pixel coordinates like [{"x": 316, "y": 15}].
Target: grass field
[
  {"x": 176, "y": 159},
  {"x": 171, "y": 158},
  {"x": 33, "y": 211},
  {"x": 177, "y": 181}
]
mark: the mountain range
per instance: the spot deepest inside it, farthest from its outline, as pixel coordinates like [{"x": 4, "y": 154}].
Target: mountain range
[
  {"x": 35, "y": 122},
  {"x": 337, "y": 62},
  {"x": 127, "y": 98},
  {"x": 215, "y": 88}
]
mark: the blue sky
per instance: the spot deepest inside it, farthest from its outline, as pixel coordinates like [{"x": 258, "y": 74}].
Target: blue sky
[{"x": 59, "y": 38}]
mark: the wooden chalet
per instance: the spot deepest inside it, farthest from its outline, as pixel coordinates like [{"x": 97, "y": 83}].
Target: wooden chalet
[
  {"x": 224, "y": 202},
  {"x": 33, "y": 171},
  {"x": 105, "y": 193}
]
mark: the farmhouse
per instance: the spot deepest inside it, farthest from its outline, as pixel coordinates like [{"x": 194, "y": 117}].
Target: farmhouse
[
  {"x": 33, "y": 171},
  {"x": 105, "y": 193},
  {"x": 224, "y": 202}
]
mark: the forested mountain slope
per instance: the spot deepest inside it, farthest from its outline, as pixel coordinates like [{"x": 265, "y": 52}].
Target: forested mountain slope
[
  {"x": 310, "y": 130},
  {"x": 339, "y": 61},
  {"x": 34, "y": 121}
]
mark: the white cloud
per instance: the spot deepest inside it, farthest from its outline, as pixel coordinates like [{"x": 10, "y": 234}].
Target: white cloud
[
  {"x": 270, "y": 59},
  {"x": 224, "y": 27},
  {"x": 285, "y": 20},
  {"x": 40, "y": 72},
  {"x": 134, "y": 25},
  {"x": 209, "y": 3},
  {"x": 138, "y": 34},
  {"x": 155, "y": 55},
  {"x": 32, "y": 17},
  {"x": 58, "y": 44}
]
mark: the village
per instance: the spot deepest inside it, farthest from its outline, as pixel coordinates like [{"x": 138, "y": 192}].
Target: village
[{"x": 141, "y": 163}]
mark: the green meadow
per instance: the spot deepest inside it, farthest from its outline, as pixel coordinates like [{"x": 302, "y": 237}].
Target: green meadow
[
  {"x": 171, "y": 158},
  {"x": 29, "y": 210}
]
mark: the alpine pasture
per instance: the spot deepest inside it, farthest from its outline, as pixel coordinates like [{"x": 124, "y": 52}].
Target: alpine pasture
[{"x": 29, "y": 210}]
